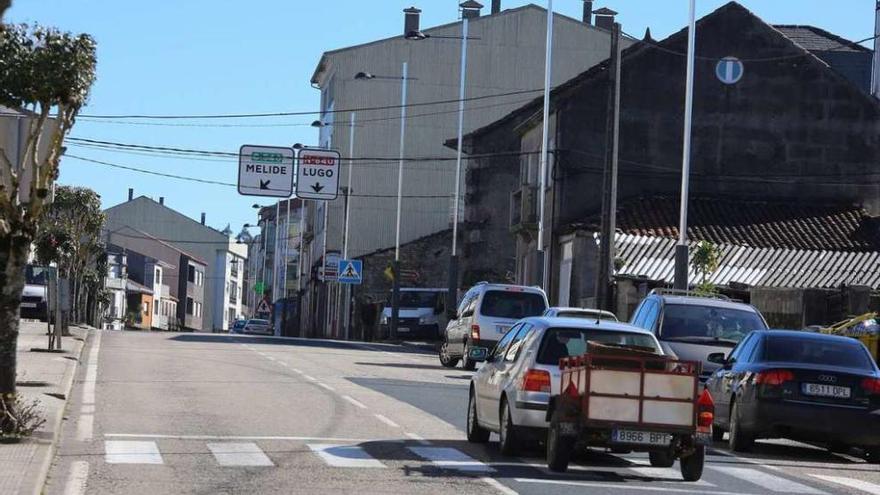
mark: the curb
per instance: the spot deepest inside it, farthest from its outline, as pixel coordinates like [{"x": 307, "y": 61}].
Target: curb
[{"x": 66, "y": 387}]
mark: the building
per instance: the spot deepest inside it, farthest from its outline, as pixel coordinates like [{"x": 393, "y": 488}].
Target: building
[
  {"x": 278, "y": 279},
  {"x": 115, "y": 284},
  {"x": 220, "y": 256},
  {"x": 798, "y": 128},
  {"x": 505, "y": 68},
  {"x": 14, "y": 124}
]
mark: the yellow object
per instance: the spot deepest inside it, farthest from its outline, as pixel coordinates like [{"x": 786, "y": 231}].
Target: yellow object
[{"x": 872, "y": 342}]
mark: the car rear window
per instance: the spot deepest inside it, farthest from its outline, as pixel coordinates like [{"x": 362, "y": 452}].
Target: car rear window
[
  {"x": 567, "y": 342},
  {"x": 513, "y": 305},
  {"x": 828, "y": 352},
  {"x": 691, "y": 320},
  {"x": 259, "y": 322}
]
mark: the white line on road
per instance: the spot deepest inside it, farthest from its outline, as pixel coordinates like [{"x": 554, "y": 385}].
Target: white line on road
[
  {"x": 325, "y": 386},
  {"x": 346, "y": 456},
  {"x": 624, "y": 486},
  {"x": 417, "y": 438},
  {"x": 310, "y": 378},
  {"x": 450, "y": 458},
  {"x": 386, "y": 421},
  {"x": 128, "y": 452},
  {"x": 354, "y": 402},
  {"x": 231, "y": 437},
  {"x": 85, "y": 427},
  {"x": 76, "y": 480},
  {"x": 767, "y": 481},
  {"x": 239, "y": 454},
  {"x": 850, "y": 482},
  {"x": 296, "y": 370},
  {"x": 91, "y": 371},
  {"x": 498, "y": 486}
]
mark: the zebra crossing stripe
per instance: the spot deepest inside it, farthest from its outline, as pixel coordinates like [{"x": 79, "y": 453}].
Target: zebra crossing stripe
[
  {"x": 447, "y": 457},
  {"x": 129, "y": 452},
  {"x": 345, "y": 456},
  {"x": 864, "y": 486},
  {"x": 239, "y": 454},
  {"x": 767, "y": 481}
]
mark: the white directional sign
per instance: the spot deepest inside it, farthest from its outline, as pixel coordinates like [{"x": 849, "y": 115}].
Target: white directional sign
[
  {"x": 317, "y": 176},
  {"x": 265, "y": 171}
]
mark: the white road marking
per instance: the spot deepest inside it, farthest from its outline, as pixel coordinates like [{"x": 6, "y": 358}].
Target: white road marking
[
  {"x": 624, "y": 486},
  {"x": 85, "y": 427},
  {"x": 864, "y": 486},
  {"x": 239, "y": 454},
  {"x": 498, "y": 486},
  {"x": 448, "y": 457},
  {"x": 87, "y": 409},
  {"x": 325, "y": 386},
  {"x": 310, "y": 378},
  {"x": 77, "y": 478},
  {"x": 91, "y": 377},
  {"x": 346, "y": 456},
  {"x": 386, "y": 421},
  {"x": 129, "y": 452},
  {"x": 766, "y": 481},
  {"x": 296, "y": 371},
  {"x": 418, "y": 439},
  {"x": 229, "y": 437},
  {"x": 354, "y": 402}
]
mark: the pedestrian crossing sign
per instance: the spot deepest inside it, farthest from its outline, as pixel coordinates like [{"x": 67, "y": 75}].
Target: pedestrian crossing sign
[
  {"x": 350, "y": 271},
  {"x": 263, "y": 307}
]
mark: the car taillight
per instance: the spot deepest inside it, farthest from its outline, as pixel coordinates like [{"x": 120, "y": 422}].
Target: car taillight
[
  {"x": 871, "y": 386},
  {"x": 475, "y": 332},
  {"x": 774, "y": 377},
  {"x": 536, "y": 381},
  {"x": 705, "y": 410}
]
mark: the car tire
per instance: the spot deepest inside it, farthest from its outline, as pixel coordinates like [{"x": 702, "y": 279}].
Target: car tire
[
  {"x": 692, "y": 465},
  {"x": 446, "y": 360},
  {"x": 661, "y": 459},
  {"x": 717, "y": 433},
  {"x": 559, "y": 449},
  {"x": 508, "y": 436},
  {"x": 872, "y": 455},
  {"x": 739, "y": 440},
  {"x": 475, "y": 432}
]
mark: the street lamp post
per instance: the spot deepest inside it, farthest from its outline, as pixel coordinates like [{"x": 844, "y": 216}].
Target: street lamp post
[
  {"x": 548, "y": 60},
  {"x": 346, "y": 319},
  {"x": 681, "y": 249}
]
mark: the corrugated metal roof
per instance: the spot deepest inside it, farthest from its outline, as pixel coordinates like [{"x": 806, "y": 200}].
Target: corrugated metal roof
[{"x": 653, "y": 257}]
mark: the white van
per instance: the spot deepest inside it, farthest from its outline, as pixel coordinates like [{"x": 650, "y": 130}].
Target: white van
[
  {"x": 419, "y": 316},
  {"x": 485, "y": 314}
]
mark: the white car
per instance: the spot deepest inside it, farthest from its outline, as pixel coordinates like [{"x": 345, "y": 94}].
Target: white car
[
  {"x": 596, "y": 314},
  {"x": 510, "y": 394},
  {"x": 255, "y": 326}
]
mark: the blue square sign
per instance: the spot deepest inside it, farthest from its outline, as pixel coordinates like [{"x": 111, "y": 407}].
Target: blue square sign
[{"x": 351, "y": 271}]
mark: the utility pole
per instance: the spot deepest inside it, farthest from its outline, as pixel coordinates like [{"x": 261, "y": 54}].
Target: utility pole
[
  {"x": 452, "y": 295},
  {"x": 609, "y": 183},
  {"x": 681, "y": 249},
  {"x": 395, "y": 292},
  {"x": 875, "y": 73},
  {"x": 347, "y": 318},
  {"x": 545, "y": 140}
]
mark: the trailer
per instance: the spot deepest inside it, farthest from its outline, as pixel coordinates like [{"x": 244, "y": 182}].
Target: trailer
[{"x": 631, "y": 401}]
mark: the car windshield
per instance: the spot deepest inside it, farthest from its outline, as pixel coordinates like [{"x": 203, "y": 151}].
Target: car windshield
[
  {"x": 513, "y": 305},
  {"x": 36, "y": 275},
  {"x": 559, "y": 343},
  {"x": 829, "y": 352},
  {"x": 418, "y": 299},
  {"x": 586, "y": 315},
  {"x": 694, "y": 322}
]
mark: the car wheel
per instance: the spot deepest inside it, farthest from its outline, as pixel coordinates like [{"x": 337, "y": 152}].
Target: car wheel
[
  {"x": 559, "y": 449},
  {"x": 445, "y": 359},
  {"x": 507, "y": 433},
  {"x": 692, "y": 465},
  {"x": 661, "y": 459},
  {"x": 872, "y": 455},
  {"x": 739, "y": 440},
  {"x": 717, "y": 433},
  {"x": 475, "y": 432},
  {"x": 467, "y": 363}
]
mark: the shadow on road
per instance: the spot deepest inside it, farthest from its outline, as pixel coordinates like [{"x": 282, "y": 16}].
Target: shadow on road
[
  {"x": 291, "y": 342},
  {"x": 404, "y": 365}
]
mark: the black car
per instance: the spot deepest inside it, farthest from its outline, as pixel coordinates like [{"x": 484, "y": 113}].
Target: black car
[{"x": 799, "y": 385}]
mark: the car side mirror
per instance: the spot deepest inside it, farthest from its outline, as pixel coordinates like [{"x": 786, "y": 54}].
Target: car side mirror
[
  {"x": 479, "y": 354},
  {"x": 717, "y": 358}
]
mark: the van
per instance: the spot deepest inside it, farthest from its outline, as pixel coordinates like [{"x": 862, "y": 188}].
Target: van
[{"x": 419, "y": 316}]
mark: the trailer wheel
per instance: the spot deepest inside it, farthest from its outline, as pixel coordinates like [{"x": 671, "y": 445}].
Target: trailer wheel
[
  {"x": 661, "y": 459},
  {"x": 559, "y": 449},
  {"x": 692, "y": 465}
]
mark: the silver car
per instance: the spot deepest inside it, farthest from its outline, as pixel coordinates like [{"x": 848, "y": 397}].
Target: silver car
[
  {"x": 562, "y": 312},
  {"x": 511, "y": 392}
]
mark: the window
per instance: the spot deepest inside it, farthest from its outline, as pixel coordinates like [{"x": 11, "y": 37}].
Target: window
[
  {"x": 191, "y": 274},
  {"x": 651, "y": 315},
  {"x": 517, "y": 343},
  {"x": 158, "y": 280},
  {"x": 693, "y": 322},
  {"x": 198, "y": 306},
  {"x": 818, "y": 351},
  {"x": 559, "y": 343},
  {"x": 190, "y": 306},
  {"x": 740, "y": 353},
  {"x": 155, "y": 307},
  {"x": 502, "y": 344},
  {"x": 200, "y": 278},
  {"x": 510, "y": 304}
]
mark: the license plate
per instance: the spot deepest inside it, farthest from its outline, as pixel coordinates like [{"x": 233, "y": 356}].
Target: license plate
[
  {"x": 641, "y": 437},
  {"x": 403, "y": 330},
  {"x": 822, "y": 390},
  {"x": 502, "y": 329},
  {"x": 28, "y": 305}
]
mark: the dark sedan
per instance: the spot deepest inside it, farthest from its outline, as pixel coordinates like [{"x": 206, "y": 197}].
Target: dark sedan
[{"x": 799, "y": 385}]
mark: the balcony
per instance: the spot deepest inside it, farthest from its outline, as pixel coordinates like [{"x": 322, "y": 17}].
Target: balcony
[{"x": 524, "y": 209}]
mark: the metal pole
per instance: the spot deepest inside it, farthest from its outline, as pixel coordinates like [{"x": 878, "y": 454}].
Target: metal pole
[
  {"x": 875, "y": 74},
  {"x": 299, "y": 263},
  {"x": 275, "y": 253},
  {"x": 681, "y": 250},
  {"x": 286, "y": 246},
  {"x": 453, "y": 258},
  {"x": 395, "y": 293},
  {"x": 548, "y": 67},
  {"x": 324, "y": 271},
  {"x": 346, "y": 319},
  {"x": 265, "y": 256}
]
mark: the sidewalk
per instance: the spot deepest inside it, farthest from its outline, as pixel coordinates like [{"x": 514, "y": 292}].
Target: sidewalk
[{"x": 47, "y": 377}]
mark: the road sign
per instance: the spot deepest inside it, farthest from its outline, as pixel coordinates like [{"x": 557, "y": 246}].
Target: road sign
[
  {"x": 265, "y": 171},
  {"x": 729, "y": 70},
  {"x": 263, "y": 307},
  {"x": 351, "y": 272},
  {"x": 330, "y": 271},
  {"x": 259, "y": 287},
  {"x": 317, "y": 174}
]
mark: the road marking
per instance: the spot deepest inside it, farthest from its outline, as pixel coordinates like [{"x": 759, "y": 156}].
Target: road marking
[
  {"x": 418, "y": 439},
  {"x": 228, "y": 437},
  {"x": 346, "y": 456},
  {"x": 76, "y": 480},
  {"x": 864, "y": 486},
  {"x": 386, "y": 421},
  {"x": 87, "y": 409},
  {"x": 767, "y": 481},
  {"x": 239, "y": 454},
  {"x": 310, "y": 378},
  {"x": 296, "y": 370},
  {"x": 448, "y": 457},
  {"x": 624, "y": 486},
  {"x": 91, "y": 377},
  {"x": 325, "y": 386},
  {"x": 354, "y": 402},
  {"x": 128, "y": 452},
  {"x": 85, "y": 427},
  {"x": 498, "y": 486}
]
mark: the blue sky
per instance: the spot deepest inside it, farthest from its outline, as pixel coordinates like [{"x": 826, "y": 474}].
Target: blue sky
[{"x": 220, "y": 56}]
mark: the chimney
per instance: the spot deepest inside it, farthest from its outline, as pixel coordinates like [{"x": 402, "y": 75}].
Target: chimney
[
  {"x": 496, "y": 6},
  {"x": 411, "y": 20},
  {"x": 161, "y": 200},
  {"x": 588, "y": 12},
  {"x": 130, "y": 194},
  {"x": 605, "y": 18},
  {"x": 203, "y": 219},
  {"x": 470, "y": 9}
]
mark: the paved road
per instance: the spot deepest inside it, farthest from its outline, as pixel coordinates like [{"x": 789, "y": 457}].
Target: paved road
[{"x": 194, "y": 413}]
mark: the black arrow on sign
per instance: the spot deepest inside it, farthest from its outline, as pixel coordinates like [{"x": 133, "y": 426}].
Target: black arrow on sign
[
  {"x": 264, "y": 184},
  {"x": 317, "y": 187}
]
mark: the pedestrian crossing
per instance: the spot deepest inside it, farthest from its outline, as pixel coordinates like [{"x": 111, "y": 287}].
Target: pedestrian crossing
[{"x": 378, "y": 455}]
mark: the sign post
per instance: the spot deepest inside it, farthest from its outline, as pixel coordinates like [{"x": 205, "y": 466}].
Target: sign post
[
  {"x": 265, "y": 171},
  {"x": 317, "y": 174}
]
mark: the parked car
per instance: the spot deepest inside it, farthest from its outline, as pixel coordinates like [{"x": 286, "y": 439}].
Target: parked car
[
  {"x": 560, "y": 312},
  {"x": 253, "y": 326},
  {"x": 511, "y": 392},
  {"x": 485, "y": 314},
  {"x": 691, "y": 327},
  {"x": 35, "y": 296},
  {"x": 420, "y": 313},
  {"x": 799, "y": 385}
]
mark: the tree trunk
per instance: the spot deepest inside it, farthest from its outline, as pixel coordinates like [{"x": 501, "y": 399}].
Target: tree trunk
[
  {"x": 4, "y": 4},
  {"x": 13, "y": 259}
]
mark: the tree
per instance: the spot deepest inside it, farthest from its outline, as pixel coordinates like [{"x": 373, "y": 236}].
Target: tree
[
  {"x": 705, "y": 259},
  {"x": 4, "y": 4},
  {"x": 41, "y": 70}
]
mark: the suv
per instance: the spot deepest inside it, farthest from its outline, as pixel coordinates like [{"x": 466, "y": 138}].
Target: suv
[
  {"x": 485, "y": 314},
  {"x": 691, "y": 327}
]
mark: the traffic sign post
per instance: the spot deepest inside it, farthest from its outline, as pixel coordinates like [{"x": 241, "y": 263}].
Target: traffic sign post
[
  {"x": 265, "y": 171},
  {"x": 317, "y": 174},
  {"x": 351, "y": 272}
]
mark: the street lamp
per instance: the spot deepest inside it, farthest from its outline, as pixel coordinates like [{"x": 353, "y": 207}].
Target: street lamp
[
  {"x": 545, "y": 138},
  {"x": 681, "y": 249}
]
